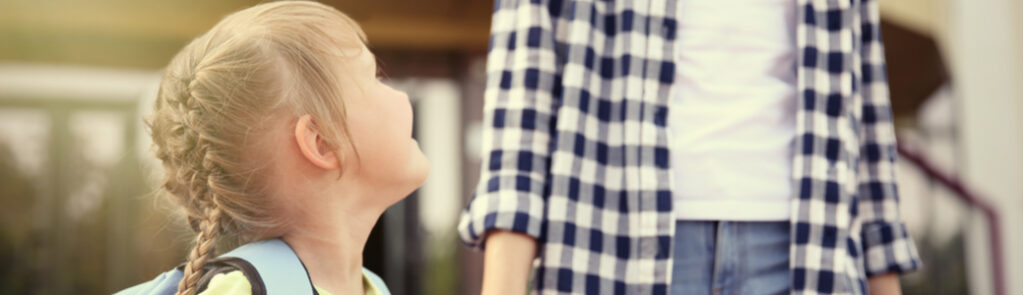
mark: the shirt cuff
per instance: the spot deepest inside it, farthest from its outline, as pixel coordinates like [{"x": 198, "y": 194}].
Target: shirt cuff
[{"x": 888, "y": 249}]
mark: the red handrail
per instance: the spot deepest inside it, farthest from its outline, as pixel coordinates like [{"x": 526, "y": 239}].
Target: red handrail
[{"x": 967, "y": 195}]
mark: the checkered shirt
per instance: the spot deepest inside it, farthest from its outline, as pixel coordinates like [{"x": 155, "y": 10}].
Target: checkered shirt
[{"x": 577, "y": 155}]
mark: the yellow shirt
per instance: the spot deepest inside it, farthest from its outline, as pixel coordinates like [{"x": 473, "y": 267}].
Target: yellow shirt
[{"x": 235, "y": 283}]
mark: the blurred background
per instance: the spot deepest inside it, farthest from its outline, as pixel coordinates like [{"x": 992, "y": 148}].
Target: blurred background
[{"x": 76, "y": 177}]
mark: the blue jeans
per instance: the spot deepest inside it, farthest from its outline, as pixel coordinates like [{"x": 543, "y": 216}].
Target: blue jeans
[{"x": 728, "y": 257}]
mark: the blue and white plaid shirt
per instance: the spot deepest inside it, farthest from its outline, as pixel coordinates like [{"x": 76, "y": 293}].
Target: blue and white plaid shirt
[{"x": 577, "y": 154}]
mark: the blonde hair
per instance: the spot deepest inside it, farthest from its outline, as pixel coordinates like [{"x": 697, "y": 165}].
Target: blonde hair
[{"x": 215, "y": 98}]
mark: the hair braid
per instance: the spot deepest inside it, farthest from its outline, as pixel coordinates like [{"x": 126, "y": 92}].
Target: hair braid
[
  {"x": 206, "y": 242},
  {"x": 199, "y": 177}
]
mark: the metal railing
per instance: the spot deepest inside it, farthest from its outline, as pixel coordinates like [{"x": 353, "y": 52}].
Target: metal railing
[{"x": 961, "y": 191}]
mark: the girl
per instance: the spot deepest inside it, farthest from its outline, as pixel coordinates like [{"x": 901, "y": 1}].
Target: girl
[
  {"x": 688, "y": 147},
  {"x": 274, "y": 124}
]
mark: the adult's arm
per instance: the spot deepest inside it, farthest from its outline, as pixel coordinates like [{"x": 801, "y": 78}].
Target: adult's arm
[
  {"x": 507, "y": 208},
  {"x": 507, "y": 262},
  {"x": 888, "y": 249}
]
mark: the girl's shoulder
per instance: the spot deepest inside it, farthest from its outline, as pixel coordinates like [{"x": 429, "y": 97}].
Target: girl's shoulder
[
  {"x": 235, "y": 283},
  {"x": 372, "y": 285}
]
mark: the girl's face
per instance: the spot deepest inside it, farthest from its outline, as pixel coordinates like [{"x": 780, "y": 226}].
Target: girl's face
[{"x": 380, "y": 122}]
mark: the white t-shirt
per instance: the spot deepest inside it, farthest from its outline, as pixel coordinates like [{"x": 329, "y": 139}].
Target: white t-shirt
[{"x": 733, "y": 109}]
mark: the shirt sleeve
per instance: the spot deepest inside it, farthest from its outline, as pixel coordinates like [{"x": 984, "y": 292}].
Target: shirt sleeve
[
  {"x": 886, "y": 244},
  {"x": 523, "y": 85},
  {"x": 230, "y": 283}
]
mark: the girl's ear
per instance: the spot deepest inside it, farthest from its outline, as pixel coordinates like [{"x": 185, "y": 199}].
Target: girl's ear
[{"x": 313, "y": 145}]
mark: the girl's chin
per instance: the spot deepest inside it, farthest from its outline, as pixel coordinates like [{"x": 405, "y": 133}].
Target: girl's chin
[{"x": 422, "y": 168}]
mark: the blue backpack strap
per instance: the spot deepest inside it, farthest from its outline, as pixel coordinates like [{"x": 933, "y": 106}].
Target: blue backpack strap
[
  {"x": 377, "y": 282},
  {"x": 280, "y": 270},
  {"x": 164, "y": 284}
]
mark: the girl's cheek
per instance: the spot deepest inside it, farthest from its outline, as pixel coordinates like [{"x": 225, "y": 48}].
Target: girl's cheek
[{"x": 400, "y": 109}]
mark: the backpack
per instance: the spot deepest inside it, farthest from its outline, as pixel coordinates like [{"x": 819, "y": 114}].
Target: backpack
[{"x": 270, "y": 266}]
